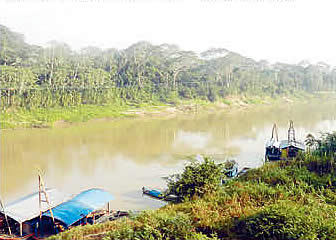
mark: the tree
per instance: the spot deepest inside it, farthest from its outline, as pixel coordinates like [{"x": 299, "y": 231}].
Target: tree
[{"x": 197, "y": 179}]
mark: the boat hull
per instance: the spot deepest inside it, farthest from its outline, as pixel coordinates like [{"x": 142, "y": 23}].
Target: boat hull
[{"x": 9, "y": 237}]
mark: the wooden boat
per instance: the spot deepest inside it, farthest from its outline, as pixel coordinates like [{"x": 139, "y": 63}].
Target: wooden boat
[
  {"x": 59, "y": 214},
  {"x": 291, "y": 147},
  {"x": 284, "y": 149},
  {"x": 154, "y": 193},
  {"x": 273, "y": 151},
  {"x": 159, "y": 194}
]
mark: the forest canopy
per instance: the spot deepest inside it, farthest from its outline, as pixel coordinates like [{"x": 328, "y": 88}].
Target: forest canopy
[{"x": 33, "y": 76}]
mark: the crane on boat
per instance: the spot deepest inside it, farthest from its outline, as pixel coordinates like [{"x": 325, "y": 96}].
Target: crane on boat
[
  {"x": 273, "y": 151},
  {"x": 289, "y": 148}
]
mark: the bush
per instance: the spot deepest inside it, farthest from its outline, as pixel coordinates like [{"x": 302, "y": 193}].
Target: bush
[
  {"x": 197, "y": 179},
  {"x": 155, "y": 225},
  {"x": 289, "y": 220}
]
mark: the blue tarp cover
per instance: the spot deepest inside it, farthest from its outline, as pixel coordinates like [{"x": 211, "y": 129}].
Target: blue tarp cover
[
  {"x": 80, "y": 206},
  {"x": 155, "y": 193}
]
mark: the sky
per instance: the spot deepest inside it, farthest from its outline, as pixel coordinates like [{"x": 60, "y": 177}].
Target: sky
[{"x": 275, "y": 30}]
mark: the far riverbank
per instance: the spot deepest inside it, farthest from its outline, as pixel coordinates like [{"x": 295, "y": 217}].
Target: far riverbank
[{"x": 64, "y": 116}]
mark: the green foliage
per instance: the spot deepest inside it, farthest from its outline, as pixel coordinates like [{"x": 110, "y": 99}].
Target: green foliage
[
  {"x": 55, "y": 76},
  {"x": 290, "y": 220},
  {"x": 197, "y": 179},
  {"x": 156, "y": 226}
]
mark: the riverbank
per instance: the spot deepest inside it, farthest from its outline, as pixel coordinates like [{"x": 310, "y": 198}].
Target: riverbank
[
  {"x": 58, "y": 117},
  {"x": 281, "y": 200}
]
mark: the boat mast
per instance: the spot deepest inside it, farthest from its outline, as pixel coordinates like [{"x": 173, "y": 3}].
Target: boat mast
[
  {"x": 291, "y": 133},
  {"x": 275, "y": 132}
]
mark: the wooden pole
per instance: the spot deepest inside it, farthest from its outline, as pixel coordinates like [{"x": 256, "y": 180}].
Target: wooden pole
[
  {"x": 4, "y": 211},
  {"x": 40, "y": 200},
  {"x": 108, "y": 207},
  {"x": 42, "y": 186}
]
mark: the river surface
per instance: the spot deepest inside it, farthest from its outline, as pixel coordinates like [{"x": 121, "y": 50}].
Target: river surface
[{"x": 124, "y": 155}]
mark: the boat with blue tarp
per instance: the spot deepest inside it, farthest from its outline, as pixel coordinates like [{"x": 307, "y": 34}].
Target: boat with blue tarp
[
  {"x": 159, "y": 194},
  {"x": 28, "y": 217},
  {"x": 80, "y": 209},
  {"x": 155, "y": 193}
]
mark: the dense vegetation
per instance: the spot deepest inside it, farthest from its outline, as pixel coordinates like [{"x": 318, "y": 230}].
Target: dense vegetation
[
  {"x": 56, "y": 76},
  {"x": 294, "y": 199}
]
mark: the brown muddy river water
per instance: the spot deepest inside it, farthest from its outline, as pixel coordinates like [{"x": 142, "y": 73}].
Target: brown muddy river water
[{"x": 124, "y": 155}]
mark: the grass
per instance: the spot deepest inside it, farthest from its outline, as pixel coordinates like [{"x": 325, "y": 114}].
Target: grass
[
  {"x": 281, "y": 200},
  {"x": 49, "y": 117}
]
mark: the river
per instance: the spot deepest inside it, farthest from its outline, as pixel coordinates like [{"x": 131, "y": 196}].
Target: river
[{"x": 123, "y": 155}]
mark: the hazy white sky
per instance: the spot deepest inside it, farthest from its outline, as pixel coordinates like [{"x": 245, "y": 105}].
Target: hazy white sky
[{"x": 276, "y": 30}]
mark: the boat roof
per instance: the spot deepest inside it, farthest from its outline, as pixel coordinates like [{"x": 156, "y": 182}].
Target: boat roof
[
  {"x": 80, "y": 206},
  {"x": 286, "y": 144},
  {"x": 27, "y": 207}
]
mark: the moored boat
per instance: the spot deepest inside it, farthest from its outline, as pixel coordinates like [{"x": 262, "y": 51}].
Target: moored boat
[
  {"x": 273, "y": 151},
  {"x": 159, "y": 194},
  {"x": 284, "y": 149},
  {"x": 27, "y": 220}
]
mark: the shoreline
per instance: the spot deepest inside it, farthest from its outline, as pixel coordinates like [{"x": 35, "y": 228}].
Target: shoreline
[{"x": 62, "y": 117}]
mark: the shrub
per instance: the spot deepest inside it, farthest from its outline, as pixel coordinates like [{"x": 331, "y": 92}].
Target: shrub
[
  {"x": 289, "y": 220},
  {"x": 155, "y": 225},
  {"x": 197, "y": 179}
]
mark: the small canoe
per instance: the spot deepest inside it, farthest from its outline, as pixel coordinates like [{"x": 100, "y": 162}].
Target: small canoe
[
  {"x": 155, "y": 193},
  {"x": 159, "y": 194}
]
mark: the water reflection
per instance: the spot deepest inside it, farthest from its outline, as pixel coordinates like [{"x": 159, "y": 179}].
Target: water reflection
[
  {"x": 124, "y": 155},
  {"x": 192, "y": 140}
]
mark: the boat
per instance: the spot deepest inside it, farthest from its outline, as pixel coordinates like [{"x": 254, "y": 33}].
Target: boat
[
  {"x": 21, "y": 214},
  {"x": 285, "y": 149},
  {"x": 82, "y": 209},
  {"x": 30, "y": 218},
  {"x": 155, "y": 193},
  {"x": 159, "y": 194},
  {"x": 273, "y": 151},
  {"x": 290, "y": 147}
]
